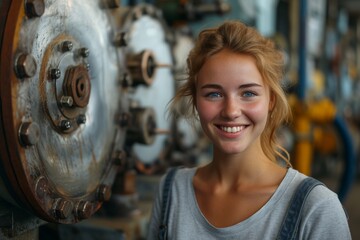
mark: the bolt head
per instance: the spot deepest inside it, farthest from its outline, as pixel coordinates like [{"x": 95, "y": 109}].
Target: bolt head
[
  {"x": 67, "y": 46},
  {"x": 84, "y": 209},
  {"x": 25, "y": 66},
  {"x": 104, "y": 193},
  {"x": 29, "y": 133},
  {"x": 84, "y": 52},
  {"x": 81, "y": 119},
  {"x": 65, "y": 125},
  {"x": 67, "y": 101},
  {"x": 34, "y": 8},
  {"x": 62, "y": 208},
  {"x": 55, "y": 73}
]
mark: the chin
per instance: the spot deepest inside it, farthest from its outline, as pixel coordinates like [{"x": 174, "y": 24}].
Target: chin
[{"x": 228, "y": 150}]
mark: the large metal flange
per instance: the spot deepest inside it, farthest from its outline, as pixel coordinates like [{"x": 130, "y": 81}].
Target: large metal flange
[{"x": 59, "y": 104}]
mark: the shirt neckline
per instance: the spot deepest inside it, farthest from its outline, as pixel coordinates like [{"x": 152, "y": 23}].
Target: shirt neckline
[{"x": 234, "y": 229}]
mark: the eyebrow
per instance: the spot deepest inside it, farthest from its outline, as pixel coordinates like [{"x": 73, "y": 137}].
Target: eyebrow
[{"x": 216, "y": 86}]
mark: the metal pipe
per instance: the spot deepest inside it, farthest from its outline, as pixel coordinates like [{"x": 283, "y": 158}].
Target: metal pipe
[
  {"x": 302, "y": 45},
  {"x": 349, "y": 172}
]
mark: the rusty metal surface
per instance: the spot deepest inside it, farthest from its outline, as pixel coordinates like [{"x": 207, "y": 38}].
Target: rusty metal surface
[{"x": 60, "y": 98}]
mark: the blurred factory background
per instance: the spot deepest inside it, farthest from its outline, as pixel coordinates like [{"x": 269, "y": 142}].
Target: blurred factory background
[{"x": 84, "y": 86}]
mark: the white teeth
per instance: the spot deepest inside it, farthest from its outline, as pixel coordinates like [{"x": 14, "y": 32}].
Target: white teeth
[{"x": 232, "y": 129}]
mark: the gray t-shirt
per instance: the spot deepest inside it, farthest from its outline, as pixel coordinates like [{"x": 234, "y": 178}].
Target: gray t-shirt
[{"x": 323, "y": 216}]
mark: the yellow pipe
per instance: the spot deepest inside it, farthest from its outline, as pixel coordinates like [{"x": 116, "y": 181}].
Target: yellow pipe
[
  {"x": 303, "y": 147},
  {"x": 305, "y": 115}
]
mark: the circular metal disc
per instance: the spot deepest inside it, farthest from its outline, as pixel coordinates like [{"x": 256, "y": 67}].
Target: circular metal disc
[{"x": 58, "y": 154}]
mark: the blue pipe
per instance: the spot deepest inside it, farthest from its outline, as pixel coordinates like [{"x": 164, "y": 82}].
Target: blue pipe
[
  {"x": 349, "y": 171},
  {"x": 302, "y": 45}
]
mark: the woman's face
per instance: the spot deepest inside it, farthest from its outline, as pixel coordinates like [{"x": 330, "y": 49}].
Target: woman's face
[{"x": 233, "y": 102}]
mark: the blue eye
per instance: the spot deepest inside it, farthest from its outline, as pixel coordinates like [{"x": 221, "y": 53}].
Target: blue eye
[
  {"x": 249, "y": 94},
  {"x": 214, "y": 95}
]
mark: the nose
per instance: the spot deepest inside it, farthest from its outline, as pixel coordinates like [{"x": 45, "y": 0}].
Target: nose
[{"x": 231, "y": 109}]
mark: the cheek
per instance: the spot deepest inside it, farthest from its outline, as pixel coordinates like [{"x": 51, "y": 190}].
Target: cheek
[
  {"x": 204, "y": 111},
  {"x": 208, "y": 111},
  {"x": 258, "y": 111}
]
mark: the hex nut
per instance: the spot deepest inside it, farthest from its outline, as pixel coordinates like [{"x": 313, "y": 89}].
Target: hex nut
[{"x": 62, "y": 208}]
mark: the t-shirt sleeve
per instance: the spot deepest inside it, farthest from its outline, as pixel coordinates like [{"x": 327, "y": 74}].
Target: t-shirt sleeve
[{"x": 324, "y": 217}]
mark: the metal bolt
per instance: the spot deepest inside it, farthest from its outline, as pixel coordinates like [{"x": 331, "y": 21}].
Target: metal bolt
[
  {"x": 29, "y": 133},
  {"x": 34, "y": 8},
  {"x": 87, "y": 66},
  {"x": 62, "y": 208},
  {"x": 55, "y": 73},
  {"x": 65, "y": 125},
  {"x": 84, "y": 209},
  {"x": 84, "y": 52},
  {"x": 67, "y": 101},
  {"x": 104, "y": 193},
  {"x": 81, "y": 119},
  {"x": 66, "y": 46},
  {"x": 25, "y": 66}
]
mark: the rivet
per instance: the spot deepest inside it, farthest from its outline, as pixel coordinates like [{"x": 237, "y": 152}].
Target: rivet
[
  {"x": 34, "y": 8},
  {"x": 29, "y": 133},
  {"x": 25, "y": 66}
]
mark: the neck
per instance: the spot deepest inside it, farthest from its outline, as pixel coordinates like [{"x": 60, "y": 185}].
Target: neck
[{"x": 241, "y": 169}]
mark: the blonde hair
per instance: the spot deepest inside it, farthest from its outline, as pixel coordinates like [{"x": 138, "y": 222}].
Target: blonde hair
[{"x": 239, "y": 38}]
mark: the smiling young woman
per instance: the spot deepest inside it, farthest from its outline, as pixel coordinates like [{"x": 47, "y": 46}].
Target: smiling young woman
[{"x": 234, "y": 88}]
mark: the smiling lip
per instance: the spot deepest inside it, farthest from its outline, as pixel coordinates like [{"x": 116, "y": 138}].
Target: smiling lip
[{"x": 232, "y": 129}]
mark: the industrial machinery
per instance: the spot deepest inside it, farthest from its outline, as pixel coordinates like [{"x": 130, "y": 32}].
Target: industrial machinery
[
  {"x": 67, "y": 74},
  {"x": 84, "y": 88}
]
